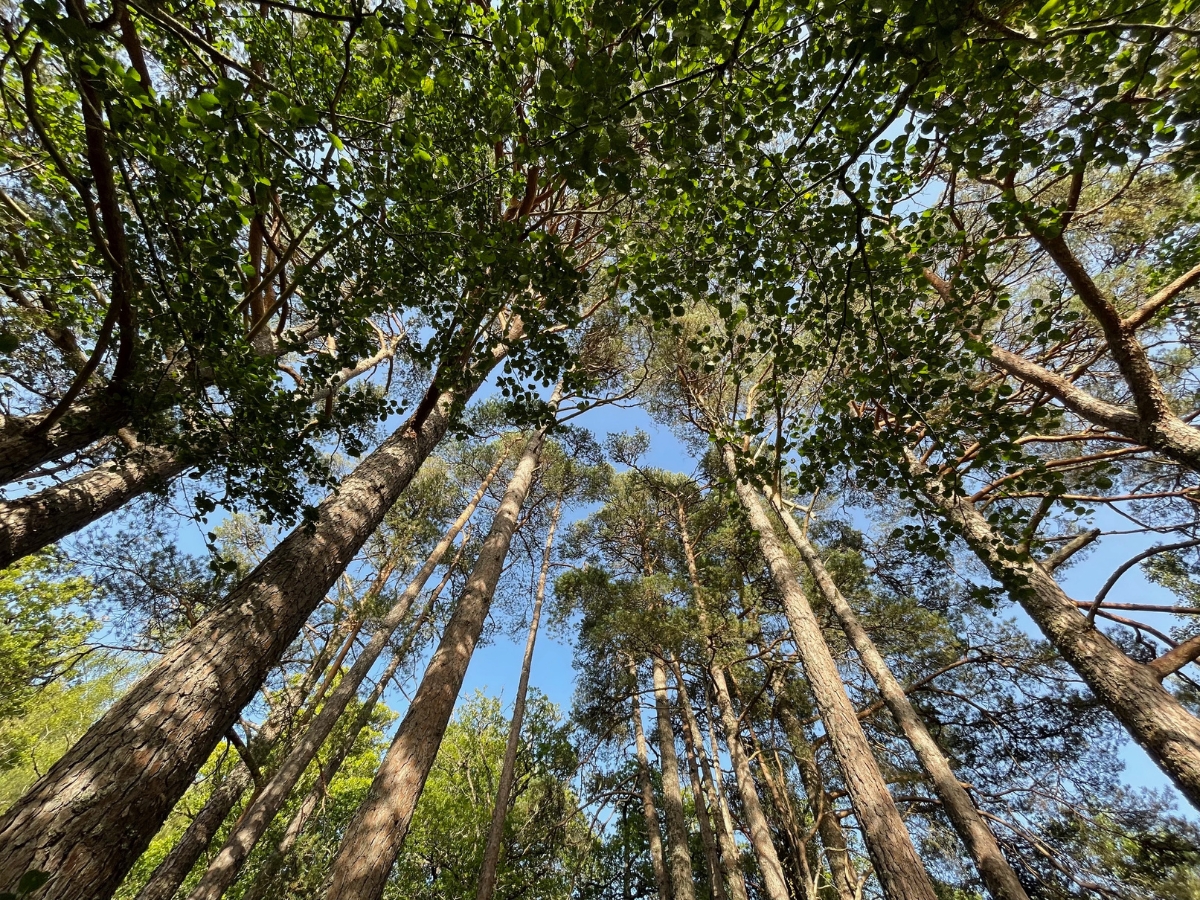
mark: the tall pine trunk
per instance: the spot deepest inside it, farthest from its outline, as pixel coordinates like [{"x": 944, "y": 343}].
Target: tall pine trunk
[
  {"x": 194, "y": 842},
  {"x": 679, "y": 855},
  {"x": 1001, "y": 881},
  {"x": 730, "y": 859},
  {"x": 223, "y": 870},
  {"x": 491, "y": 853},
  {"x": 93, "y": 814},
  {"x": 1130, "y": 690},
  {"x": 658, "y": 860},
  {"x": 781, "y": 802},
  {"x": 266, "y": 873},
  {"x": 829, "y": 829},
  {"x": 897, "y": 865},
  {"x": 379, "y": 828},
  {"x": 769, "y": 866},
  {"x": 712, "y": 852}
]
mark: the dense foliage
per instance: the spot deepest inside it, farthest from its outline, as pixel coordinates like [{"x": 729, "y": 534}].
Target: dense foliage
[{"x": 878, "y": 570}]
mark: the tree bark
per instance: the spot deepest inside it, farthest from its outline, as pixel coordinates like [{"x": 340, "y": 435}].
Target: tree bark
[
  {"x": 649, "y": 809},
  {"x": 30, "y": 523},
  {"x": 491, "y": 854},
  {"x": 708, "y": 838},
  {"x": 223, "y": 870},
  {"x": 769, "y": 865},
  {"x": 379, "y": 828},
  {"x": 262, "y": 880},
  {"x": 829, "y": 829},
  {"x": 679, "y": 855},
  {"x": 1001, "y": 881},
  {"x": 271, "y": 866},
  {"x": 24, "y": 447},
  {"x": 1155, "y": 425},
  {"x": 192, "y": 844},
  {"x": 730, "y": 858},
  {"x": 897, "y": 865},
  {"x": 93, "y": 814},
  {"x": 760, "y": 833},
  {"x": 781, "y": 802},
  {"x": 1131, "y": 691}
]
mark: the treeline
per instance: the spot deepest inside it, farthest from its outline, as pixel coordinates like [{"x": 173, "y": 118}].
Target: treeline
[{"x": 915, "y": 284}]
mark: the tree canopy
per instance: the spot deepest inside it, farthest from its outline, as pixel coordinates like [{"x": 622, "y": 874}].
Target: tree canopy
[{"x": 818, "y": 378}]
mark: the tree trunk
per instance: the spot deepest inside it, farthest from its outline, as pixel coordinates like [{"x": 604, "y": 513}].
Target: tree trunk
[
  {"x": 1131, "y": 691},
  {"x": 760, "y": 833},
  {"x": 30, "y": 523},
  {"x": 262, "y": 880},
  {"x": 93, "y": 814},
  {"x": 1001, "y": 881},
  {"x": 769, "y": 866},
  {"x": 23, "y": 448},
  {"x": 491, "y": 854},
  {"x": 378, "y": 829},
  {"x": 730, "y": 858},
  {"x": 782, "y": 804},
  {"x": 678, "y": 852},
  {"x": 271, "y": 866},
  {"x": 833, "y": 839},
  {"x": 223, "y": 870},
  {"x": 728, "y": 825},
  {"x": 657, "y": 857},
  {"x": 897, "y": 865},
  {"x": 194, "y": 842},
  {"x": 701, "y": 799}
]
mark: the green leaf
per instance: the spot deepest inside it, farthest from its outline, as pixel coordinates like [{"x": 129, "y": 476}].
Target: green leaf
[{"x": 31, "y": 881}]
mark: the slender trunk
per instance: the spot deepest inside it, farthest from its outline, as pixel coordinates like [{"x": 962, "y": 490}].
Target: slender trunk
[
  {"x": 769, "y": 866},
  {"x": 829, "y": 829},
  {"x": 378, "y": 829},
  {"x": 30, "y": 523},
  {"x": 678, "y": 853},
  {"x": 262, "y": 880},
  {"x": 93, "y": 814},
  {"x": 649, "y": 810},
  {"x": 718, "y": 775},
  {"x": 1131, "y": 691},
  {"x": 730, "y": 858},
  {"x": 782, "y": 805},
  {"x": 223, "y": 870},
  {"x": 1001, "y": 881},
  {"x": 491, "y": 854},
  {"x": 897, "y": 865},
  {"x": 708, "y": 837},
  {"x": 195, "y": 840},
  {"x": 270, "y": 868}
]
